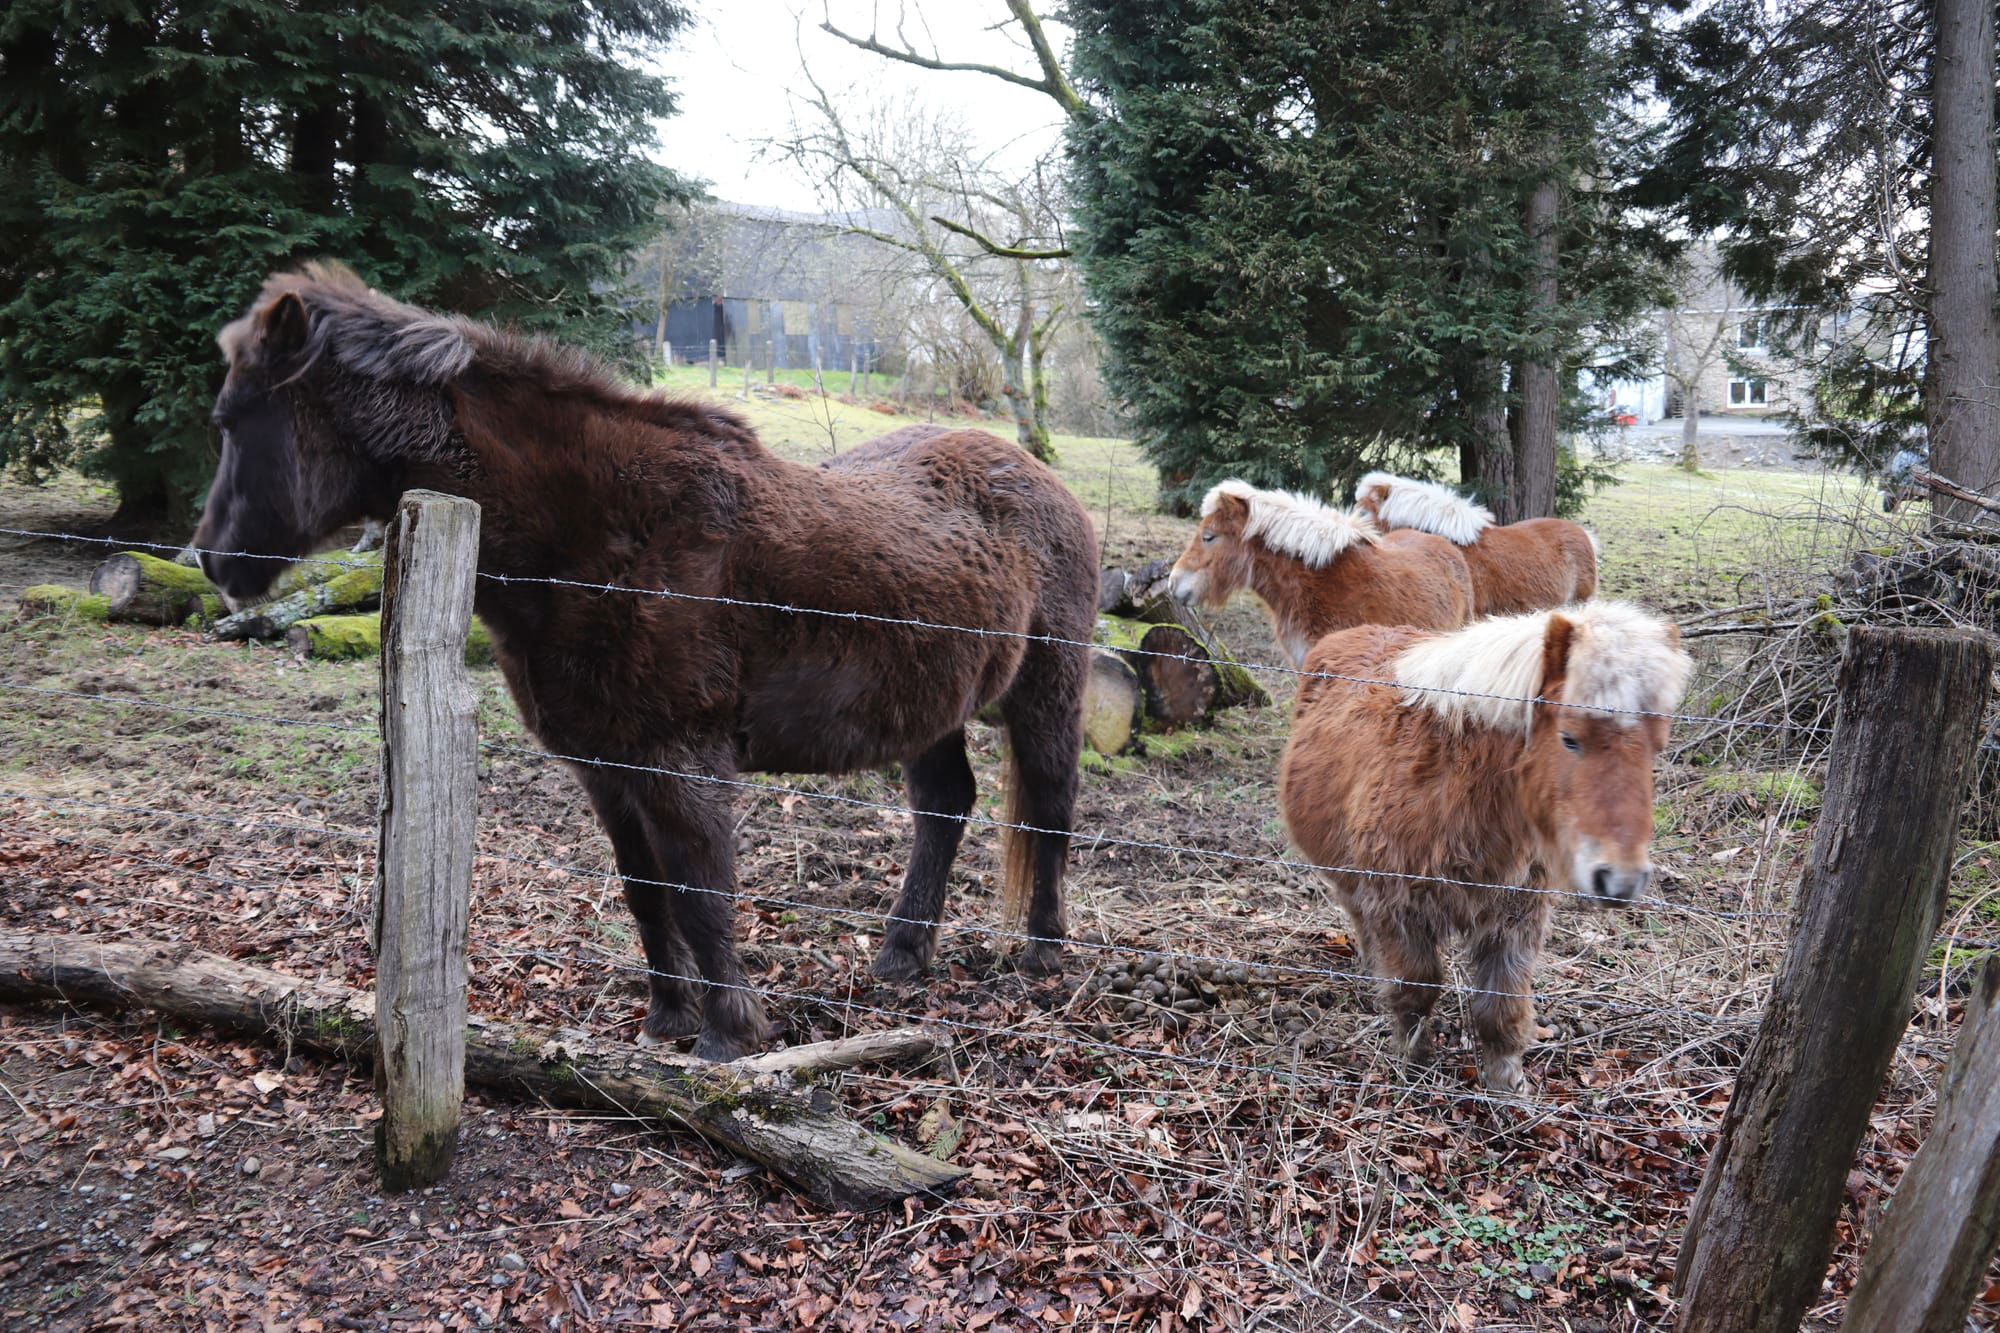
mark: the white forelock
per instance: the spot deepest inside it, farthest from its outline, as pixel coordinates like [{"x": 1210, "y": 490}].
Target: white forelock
[{"x": 1621, "y": 662}]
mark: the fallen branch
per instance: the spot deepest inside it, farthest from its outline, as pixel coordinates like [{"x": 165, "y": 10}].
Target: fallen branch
[
  {"x": 751, "y": 1108},
  {"x": 1957, "y": 492},
  {"x": 1744, "y": 627},
  {"x": 353, "y": 584}
]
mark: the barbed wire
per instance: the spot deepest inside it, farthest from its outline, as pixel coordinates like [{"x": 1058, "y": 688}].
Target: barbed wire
[
  {"x": 1094, "y": 839},
  {"x": 599, "y": 958},
  {"x": 1102, "y": 839},
  {"x": 1290, "y": 971},
  {"x": 908, "y": 622}
]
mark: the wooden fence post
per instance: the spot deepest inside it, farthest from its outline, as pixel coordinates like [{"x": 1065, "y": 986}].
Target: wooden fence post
[
  {"x": 1760, "y": 1232},
  {"x": 712, "y": 369},
  {"x": 424, "y": 860},
  {"x": 1929, "y": 1256}
]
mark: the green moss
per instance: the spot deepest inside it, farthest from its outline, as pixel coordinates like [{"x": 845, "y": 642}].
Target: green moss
[
  {"x": 339, "y": 638},
  {"x": 1779, "y": 788},
  {"x": 478, "y": 645},
  {"x": 187, "y": 580},
  {"x": 55, "y": 599}
]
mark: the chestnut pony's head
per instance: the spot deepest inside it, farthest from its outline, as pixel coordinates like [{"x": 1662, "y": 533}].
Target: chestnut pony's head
[{"x": 1583, "y": 687}]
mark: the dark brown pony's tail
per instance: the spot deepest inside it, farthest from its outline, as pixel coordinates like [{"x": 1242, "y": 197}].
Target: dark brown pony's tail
[{"x": 1017, "y": 849}]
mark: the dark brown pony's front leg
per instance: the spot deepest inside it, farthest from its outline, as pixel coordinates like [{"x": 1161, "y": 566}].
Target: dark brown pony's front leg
[
  {"x": 674, "y": 1004},
  {"x": 688, "y": 826},
  {"x": 941, "y": 790}
]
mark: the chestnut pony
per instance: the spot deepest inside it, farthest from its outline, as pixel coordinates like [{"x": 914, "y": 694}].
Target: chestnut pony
[
  {"x": 1527, "y": 566},
  {"x": 1317, "y": 568},
  {"x": 1516, "y": 751},
  {"x": 338, "y": 399}
]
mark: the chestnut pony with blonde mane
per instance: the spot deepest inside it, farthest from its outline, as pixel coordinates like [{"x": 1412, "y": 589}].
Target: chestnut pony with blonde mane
[
  {"x": 339, "y": 399},
  {"x": 1532, "y": 565},
  {"x": 1317, "y": 568},
  {"x": 1516, "y": 751}
]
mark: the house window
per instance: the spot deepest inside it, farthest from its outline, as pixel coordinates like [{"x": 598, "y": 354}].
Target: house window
[
  {"x": 1750, "y": 334},
  {"x": 1749, "y": 393}
]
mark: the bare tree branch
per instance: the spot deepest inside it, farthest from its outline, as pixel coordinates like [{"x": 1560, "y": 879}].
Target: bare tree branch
[
  {"x": 1054, "y": 83},
  {"x": 994, "y": 247}
]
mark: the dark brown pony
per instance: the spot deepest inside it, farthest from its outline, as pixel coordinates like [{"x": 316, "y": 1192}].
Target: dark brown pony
[
  {"x": 1317, "y": 568},
  {"x": 338, "y": 399},
  {"x": 1455, "y": 772},
  {"x": 1532, "y": 565}
]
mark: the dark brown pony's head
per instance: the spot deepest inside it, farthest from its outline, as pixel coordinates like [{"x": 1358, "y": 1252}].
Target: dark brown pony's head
[{"x": 333, "y": 391}]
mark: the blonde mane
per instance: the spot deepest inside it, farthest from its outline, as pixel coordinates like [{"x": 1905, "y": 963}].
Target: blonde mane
[
  {"x": 1428, "y": 507},
  {"x": 1622, "y": 661},
  {"x": 1296, "y": 525}
]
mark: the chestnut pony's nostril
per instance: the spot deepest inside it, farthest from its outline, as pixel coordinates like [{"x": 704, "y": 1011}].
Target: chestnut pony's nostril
[{"x": 1600, "y": 881}]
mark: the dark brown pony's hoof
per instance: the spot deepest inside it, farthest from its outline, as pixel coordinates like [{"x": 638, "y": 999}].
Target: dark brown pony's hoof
[
  {"x": 900, "y": 962},
  {"x": 1042, "y": 958},
  {"x": 720, "y": 1048},
  {"x": 671, "y": 1022}
]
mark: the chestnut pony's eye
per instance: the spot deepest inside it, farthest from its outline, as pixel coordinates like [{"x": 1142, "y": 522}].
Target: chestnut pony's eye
[{"x": 1572, "y": 744}]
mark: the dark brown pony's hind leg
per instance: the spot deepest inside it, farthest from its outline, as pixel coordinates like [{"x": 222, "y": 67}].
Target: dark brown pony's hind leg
[
  {"x": 1043, "y": 713},
  {"x": 673, "y": 1004},
  {"x": 941, "y": 790}
]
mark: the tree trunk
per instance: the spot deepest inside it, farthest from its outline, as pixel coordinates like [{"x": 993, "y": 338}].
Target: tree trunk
[
  {"x": 1690, "y": 432},
  {"x": 1962, "y": 398},
  {"x": 1498, "y": 483},
  {"x": 1539, "y": 379},
  {"x": 759, "y": 1115}
]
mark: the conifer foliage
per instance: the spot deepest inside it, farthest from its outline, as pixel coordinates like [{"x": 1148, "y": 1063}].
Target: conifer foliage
[
  {"x": 159, "y": 157},
  {"x": 1309, "y": 228}
]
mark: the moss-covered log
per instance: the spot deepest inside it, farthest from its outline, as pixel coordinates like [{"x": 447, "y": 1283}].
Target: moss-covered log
[
  {"x": 340, "y": 638},
  {"x": 761, "y": 1115},
  {"x": 354, "y": 584},
  {"x": 56, "y": 599},
  {"x": 152, "y": 591}
]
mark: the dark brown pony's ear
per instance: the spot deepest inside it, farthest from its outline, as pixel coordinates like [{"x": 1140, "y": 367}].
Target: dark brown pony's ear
[
  {"x": 282, "y": 327},
  {"x": 1555, "y": 654}
]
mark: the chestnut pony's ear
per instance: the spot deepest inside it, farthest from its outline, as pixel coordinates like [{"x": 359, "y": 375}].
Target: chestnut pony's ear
[
  {"x": 1555, "y": 654},
  {"x": 1233, "y": 508},
  {"x": 1372, "y": 498},
  {"x": 282, "y": 327},
  {"x": 1673, "y": 635}
]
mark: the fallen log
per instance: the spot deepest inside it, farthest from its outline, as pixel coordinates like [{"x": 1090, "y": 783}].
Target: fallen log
[
  {"x": 59, "y": 599},
  {"x": 1113, "y": 703},
  {"x": 1176, "y": 676},
  {"x": 1142, "y": 595},
  {"x": 759, "y": 1113},
  {"x": 343, "y": 638},
  {"x": 351, "y": 583},
  {"x": 151, "y": 591}
]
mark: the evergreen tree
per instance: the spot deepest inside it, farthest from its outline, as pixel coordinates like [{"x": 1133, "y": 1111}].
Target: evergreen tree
[
  {"x": 158, "y": 159},
  {"x": 1321, "y": 231}
]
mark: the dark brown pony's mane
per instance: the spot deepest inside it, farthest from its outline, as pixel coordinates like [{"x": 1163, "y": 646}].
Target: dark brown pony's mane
[{"x": 380, "y": 338}]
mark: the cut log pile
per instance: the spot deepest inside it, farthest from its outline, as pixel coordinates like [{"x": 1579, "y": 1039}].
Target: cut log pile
[
  {"x": 326, "y": 608},
  {"x": 1155, "y": 669}
]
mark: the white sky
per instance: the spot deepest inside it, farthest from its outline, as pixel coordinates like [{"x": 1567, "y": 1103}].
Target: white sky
[{"x": 735, "y": 69}]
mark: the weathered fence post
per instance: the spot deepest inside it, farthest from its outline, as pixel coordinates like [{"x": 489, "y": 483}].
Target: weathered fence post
[
  {"x": 424, "y": 860},
  {"x": 713, "y": 371},
  {"x": 1929, "y": 1256},
  {"x": 1760, "y": 1232},
  {"x": 749, "y": 361}
]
